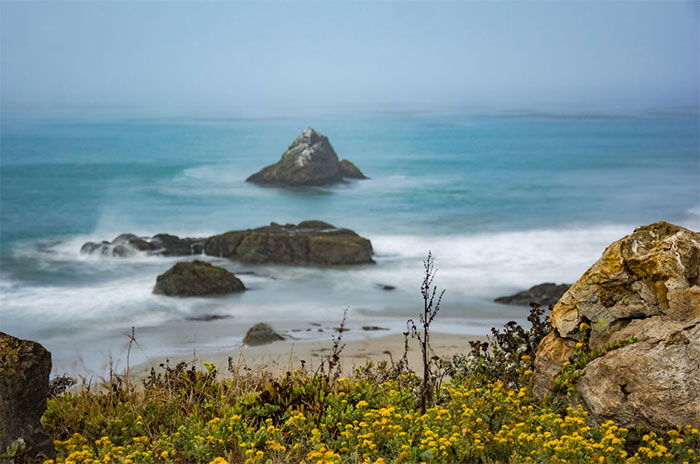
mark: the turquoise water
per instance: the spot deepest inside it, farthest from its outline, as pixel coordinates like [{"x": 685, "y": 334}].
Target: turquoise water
[{"x": 503, "y": 202}]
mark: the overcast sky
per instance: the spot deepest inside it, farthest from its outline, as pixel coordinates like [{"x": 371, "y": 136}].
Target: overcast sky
[{"x": 305, "y": 57}]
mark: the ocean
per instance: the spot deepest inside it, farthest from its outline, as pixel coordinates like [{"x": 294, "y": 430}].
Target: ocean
[{"x": 503, "y": 203}]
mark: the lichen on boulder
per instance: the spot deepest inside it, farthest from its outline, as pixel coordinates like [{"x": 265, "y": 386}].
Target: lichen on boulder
[
  {"x": 197, "y": 278},
  {"x": 647, "y": 286},
  {"x": 24, "y": 385}
]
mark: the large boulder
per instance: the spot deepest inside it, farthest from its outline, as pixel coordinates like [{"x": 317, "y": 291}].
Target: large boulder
[
  {"x": 545, "y": 294},
  {"x": 197, "y": 278},
  {"x": 129, "y": 245},
  {"x": 309, "y": 160},
  {"x": 261, "y": 334},
  {"x": 309, "y": 242},
  {"x": 646, "y": 285},
  {"x": 24, "y": 384}
]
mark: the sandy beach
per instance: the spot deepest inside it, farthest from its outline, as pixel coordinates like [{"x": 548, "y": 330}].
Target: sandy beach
[{"x": 286, "y": 355}]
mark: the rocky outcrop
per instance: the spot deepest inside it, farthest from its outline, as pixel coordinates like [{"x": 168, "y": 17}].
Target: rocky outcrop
[
  {"x": 349, "y": 171},
  {"x": 172, "y": 245},
  {"x": 261, "y": 334},
  {"x": 24, "y": 384},
  {"x": 309, "y": 242},
  {"x": 130, "y": 245},
  {"x": 545, "y": 294},
  {"x": 197, "y": 278},
  {"x": 646, "y": 285},
  {"x": 309, "y": 160}
]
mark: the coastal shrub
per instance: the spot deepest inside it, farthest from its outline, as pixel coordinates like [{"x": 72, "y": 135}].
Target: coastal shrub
[
  {"x": 191, "y": 416},
  {"x": 476, "y": 408},
  {"x": 508, "y": 355}
]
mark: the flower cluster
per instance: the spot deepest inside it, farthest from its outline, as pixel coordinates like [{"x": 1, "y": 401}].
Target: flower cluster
[{"x": 363, "y": 419}]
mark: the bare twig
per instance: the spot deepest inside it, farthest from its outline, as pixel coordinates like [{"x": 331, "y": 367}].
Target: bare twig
[{"x": 432, "y": 298}]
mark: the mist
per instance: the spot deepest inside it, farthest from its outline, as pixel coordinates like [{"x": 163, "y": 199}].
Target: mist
[{"x": 306, "y": 58}]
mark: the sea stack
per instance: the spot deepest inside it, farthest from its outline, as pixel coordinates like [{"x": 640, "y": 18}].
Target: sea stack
[{"x": 310, "y": 160}]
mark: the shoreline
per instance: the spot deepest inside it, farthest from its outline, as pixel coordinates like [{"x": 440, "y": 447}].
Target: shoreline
[{"x": 287, "y": 355}]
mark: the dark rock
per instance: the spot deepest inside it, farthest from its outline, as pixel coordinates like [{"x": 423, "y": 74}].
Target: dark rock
[
  {"x": 121, "y": 251},
  {"x": 261, "y": 334},
  {"x": 310, "y": 242},
  {"x": 545, "y": 294},
  {"x": 89, "y": 248},
  {"x": 129, "y": 244},
  {"x": 24, "y": 385},
  {"x": 196, "y": 278},
  {"x": 208, "y": 317},
  {"x": 372, "y": 327},
  {"x": 387, "y": 287},
  {"x": 309, "y": 160},
  {"x": 172, "y": 245},
  {"x": 349, "y": 171},
  {"x": 312, "y": 224}
]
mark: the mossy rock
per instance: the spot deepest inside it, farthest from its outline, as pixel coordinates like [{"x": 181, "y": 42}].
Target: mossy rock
[
  {"x": 261, "y": 334},
  {"x": 310, "y": 242},
  {"x": 197, "y": 278}
]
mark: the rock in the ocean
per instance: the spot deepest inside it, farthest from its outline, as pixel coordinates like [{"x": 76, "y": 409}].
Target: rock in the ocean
[
  {"x": 309, "y": 242},
  {"x": 130, "y": 244},
  {"x": 545, "y": 294},
  {"x": 309, "y": 160},
  {"x": 349, "y": 171},
  {"x": 24, "y": 384},
  {"x": 646, "y": 285},
  {"x": 261, "y": 334},
  {"x": 197, "y": 278}
]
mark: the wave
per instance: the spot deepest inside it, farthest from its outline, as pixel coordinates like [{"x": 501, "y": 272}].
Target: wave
[
  {"x": 81, "y": 298},
  {"x": 483, "y": 264}
]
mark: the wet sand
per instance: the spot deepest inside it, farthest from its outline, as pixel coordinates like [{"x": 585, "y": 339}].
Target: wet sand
[{"x": 286, "y": 355}]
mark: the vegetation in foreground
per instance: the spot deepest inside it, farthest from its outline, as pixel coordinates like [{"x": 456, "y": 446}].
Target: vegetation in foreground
[{"x": 476, "y": 408}]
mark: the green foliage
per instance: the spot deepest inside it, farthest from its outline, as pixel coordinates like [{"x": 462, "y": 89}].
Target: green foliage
[
  {"x": 183, "y": 415},
  {"x": 509, "y": 355}
]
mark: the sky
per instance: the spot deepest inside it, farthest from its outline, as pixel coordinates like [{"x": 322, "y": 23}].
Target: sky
[{"x": 237, "y": 58}]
